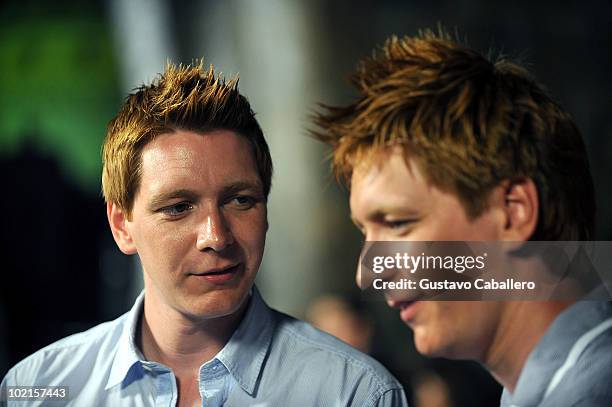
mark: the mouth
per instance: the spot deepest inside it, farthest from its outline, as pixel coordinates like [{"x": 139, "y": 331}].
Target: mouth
[
  {"x": 220, "y": 275},
  {"x": 408, "y": 309}
]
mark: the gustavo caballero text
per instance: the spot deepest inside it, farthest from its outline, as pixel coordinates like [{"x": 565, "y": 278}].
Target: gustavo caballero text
[{"x": 478, "y": 284}]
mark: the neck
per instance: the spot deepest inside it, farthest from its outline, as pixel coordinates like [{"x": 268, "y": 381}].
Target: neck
[
  {"x": 521, "y": 326},
  {"x": 181, "y": 343}
]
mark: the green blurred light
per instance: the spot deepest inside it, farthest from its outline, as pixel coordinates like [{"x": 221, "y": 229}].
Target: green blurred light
[{"x": 58, "y": 90}]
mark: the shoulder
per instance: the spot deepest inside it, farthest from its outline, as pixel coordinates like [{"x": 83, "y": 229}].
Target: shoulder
[
  {"x": 594, "y": 366},
  {"x": 314, "y": 349},
  {"x": 78, "y": 352},
  {"x": 588, "y": 381},
  {"x": 593, "y": 370}
]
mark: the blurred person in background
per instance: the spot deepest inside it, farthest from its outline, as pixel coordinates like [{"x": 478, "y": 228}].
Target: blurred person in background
[
  {"x": 444, "y": 144},
  {"x": 431, "y": 390},
  {"x": 186, "y": 177},
  {"x": 343, "y": 319}
]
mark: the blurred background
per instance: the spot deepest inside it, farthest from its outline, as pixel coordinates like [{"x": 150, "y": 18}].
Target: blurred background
[{"x": 66, "y": 66}]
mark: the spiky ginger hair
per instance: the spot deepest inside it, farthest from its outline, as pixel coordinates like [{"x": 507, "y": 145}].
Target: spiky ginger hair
[
  {"x": 470, "y": 123},
  {"x": 183, "y": 97}
]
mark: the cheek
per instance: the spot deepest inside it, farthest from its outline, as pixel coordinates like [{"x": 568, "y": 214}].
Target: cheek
[
  {"x": 257, "y": 244},
  {"x": 251, "y": 231},
  {"x": 489, "y": 227},
  {"x": 436, "y": 228},
  {"x": 160, "y": 247},
  {"x": 459, "y": 228}
]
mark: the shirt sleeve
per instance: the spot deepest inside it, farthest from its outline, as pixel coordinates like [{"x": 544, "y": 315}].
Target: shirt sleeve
[
  {"x": 3, "y": 389},
  {"x": 392, "y": 398}
]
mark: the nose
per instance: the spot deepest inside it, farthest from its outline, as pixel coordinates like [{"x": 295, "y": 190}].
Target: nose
[
  {"x": 364, "y": 277},
  {"x": 214, "y": 233},
  {"x": 360, "y": 281}
]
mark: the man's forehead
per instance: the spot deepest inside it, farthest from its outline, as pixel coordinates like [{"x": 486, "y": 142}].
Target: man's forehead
[
  {"x": 391, "y": 179},
  {"x": 166, "y": 143},
  {"x": 157, "y": 160},
  {"x": 185, "y": 160},
  {"x": 367, "y": 157},
  {"x": 384, "y": 165}
]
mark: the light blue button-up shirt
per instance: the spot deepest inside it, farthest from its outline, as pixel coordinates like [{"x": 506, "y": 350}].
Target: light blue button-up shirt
[
  {"x": 571, "y": 365},
  {"x": 270, "y": 360}
]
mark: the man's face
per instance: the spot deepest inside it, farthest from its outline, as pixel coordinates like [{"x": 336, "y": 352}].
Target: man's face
[
  {"x": 199, "y": 222},
  {"x": 391, "y": 200}
]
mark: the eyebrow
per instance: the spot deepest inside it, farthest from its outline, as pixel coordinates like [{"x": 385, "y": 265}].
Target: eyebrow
[{"x": 241, "y": 186}]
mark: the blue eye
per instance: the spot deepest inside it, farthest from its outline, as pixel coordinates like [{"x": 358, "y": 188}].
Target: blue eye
[
  {"x": 177, "y": 209},
  {"x": 242, "y": 202}
]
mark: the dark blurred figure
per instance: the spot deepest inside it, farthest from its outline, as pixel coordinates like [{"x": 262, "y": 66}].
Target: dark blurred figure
[{"x": 51, "y": 240}]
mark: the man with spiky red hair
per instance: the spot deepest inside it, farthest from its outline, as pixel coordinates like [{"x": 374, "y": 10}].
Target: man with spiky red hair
[{"x": 445, "y": 145}]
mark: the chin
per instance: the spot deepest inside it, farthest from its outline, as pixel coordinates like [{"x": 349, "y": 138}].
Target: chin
[
  {"x": 439, "y": 348},
  {"x": 217, "y": 305},
  {"x": 429, "y": 345}
]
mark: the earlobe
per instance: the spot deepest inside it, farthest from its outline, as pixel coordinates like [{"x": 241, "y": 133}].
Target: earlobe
[
  {"x": 117, "y": 220},
  {"x": 521, "y": 207}
]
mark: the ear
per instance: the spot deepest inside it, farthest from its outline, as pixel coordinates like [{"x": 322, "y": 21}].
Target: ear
[
  {"x": 117, "y": 219},
  {"x": 521, "y": 209}
]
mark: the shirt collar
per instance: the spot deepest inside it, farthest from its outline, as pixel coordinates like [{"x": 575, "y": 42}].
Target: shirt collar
[
  {"x": 246, "y": 351},
  {"x": 243, "y": 355},
  {"x": 552, "y": 349},
  {"x": 127, "y": 356}
]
